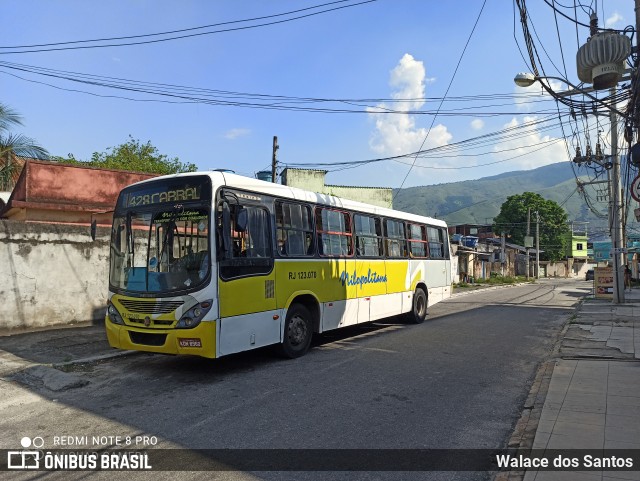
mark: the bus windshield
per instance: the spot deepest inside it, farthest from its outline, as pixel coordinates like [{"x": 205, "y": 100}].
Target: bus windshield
[
  {"x": 161, "y": 250},
  {"x": 160, "y": 239}
]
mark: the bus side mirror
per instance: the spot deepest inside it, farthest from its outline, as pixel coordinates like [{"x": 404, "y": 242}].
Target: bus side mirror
[
  {"x": 94, "y": 228},
  {"x": 242, "y": 219}
]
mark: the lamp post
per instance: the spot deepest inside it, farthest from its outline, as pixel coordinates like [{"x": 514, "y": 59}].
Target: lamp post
[{"x": 527, "y": 80}]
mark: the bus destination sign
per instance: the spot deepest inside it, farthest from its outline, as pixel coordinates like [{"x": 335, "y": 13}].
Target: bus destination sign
[
  {"x": 136, "y": 200},
  {"x": 172, "y": 191}
]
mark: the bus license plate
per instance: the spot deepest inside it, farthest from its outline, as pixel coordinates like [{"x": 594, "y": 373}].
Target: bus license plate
[{"x": 189, "y": 342}]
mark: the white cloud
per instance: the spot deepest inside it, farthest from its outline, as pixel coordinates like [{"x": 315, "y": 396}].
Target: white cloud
[
  {"x": 235, "y": 133},
  {"x": 398, "y": 134},
  {"x": 614, "y": 19},
  {"x": 530, "y": 149},
  {"x": 477, "y": 124}
]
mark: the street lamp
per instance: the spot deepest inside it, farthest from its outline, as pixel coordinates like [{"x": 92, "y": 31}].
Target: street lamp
[{"x": 527, "y": 79}]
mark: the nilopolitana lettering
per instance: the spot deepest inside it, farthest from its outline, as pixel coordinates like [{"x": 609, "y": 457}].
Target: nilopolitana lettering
[{"x": 372, "y": 277}]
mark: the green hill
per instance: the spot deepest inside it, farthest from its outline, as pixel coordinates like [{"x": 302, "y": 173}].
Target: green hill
[{"x": 479, "y": 201}]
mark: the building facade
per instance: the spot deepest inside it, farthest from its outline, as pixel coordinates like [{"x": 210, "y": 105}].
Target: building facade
[
  {"x": 314, "y": 180},
  {"x": 69, "y": 194}
]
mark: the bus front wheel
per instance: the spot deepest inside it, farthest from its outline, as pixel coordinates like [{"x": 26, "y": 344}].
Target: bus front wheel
[
  {"x": 298, "y": 330},
  {"x": 418, "y": 313}
]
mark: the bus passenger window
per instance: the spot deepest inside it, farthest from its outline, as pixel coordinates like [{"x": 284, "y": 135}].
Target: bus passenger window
[
  {"x": 417, "y": 241},
  {"x": 436, "y": 243},
  {"x": 368, "y": 236},
  {"x": 396, "y": 243},
  {"x": 294, "y": 229},
  {"x": 334, "y": 232}
]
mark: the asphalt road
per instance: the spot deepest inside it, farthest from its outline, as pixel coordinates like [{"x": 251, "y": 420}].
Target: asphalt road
[{"x": 457, "y": 381}]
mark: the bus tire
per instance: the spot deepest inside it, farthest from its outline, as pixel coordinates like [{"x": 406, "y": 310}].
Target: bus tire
[
  {"x": 298, "y": 330},
  {"x": 418, "y": 312}
]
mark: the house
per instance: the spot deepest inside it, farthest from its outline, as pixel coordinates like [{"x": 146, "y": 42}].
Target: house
[
  {"x": 478, "y": 257},
  {"x": 57, "y": 193},
  {"x": 481, "y": 231},
  {"x": 577, "y": 241}
]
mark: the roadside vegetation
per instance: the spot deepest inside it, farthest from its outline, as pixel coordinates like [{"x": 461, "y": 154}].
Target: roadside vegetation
[{"x": 494, "y": 280}]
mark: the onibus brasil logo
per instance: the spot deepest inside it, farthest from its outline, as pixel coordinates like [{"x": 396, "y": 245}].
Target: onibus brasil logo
[{"x": 32, "y": 457}]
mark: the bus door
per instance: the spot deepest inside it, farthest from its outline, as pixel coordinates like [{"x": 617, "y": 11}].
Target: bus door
[{"x": 246, "y": 278}]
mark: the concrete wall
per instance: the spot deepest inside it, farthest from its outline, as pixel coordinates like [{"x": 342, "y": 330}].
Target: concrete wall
[
  {"x": 51, "y": 274},
  {"x": 307, "y": 179},
  {"x": 555, "y": 269},
  {"x": 313, "y": 180},
  {"x": 379, "y": 196}
]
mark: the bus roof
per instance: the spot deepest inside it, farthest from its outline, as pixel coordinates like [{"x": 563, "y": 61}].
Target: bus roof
[{"x": 225, "y": 178}]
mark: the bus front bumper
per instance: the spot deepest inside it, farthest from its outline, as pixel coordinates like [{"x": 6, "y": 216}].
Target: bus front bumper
[{"x": 199, "y": 341}]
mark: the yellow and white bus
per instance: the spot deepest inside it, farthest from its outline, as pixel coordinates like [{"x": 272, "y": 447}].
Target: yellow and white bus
[{"x": 214, "y": 263}]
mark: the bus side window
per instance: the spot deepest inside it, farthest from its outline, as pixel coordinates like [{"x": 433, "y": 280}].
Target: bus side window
[
  {"x": 436, "y": 243},
  {"x": 335, "y": 236},
  {"x": 416, "y": 236},
  {"x": 396, "y": 241},
  {"x": 294, "y": 229},
  {"x": 368, "y": 236}
]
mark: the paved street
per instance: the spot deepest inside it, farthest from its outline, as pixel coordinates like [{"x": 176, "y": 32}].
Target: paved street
[{"x": 457, "y": 381}]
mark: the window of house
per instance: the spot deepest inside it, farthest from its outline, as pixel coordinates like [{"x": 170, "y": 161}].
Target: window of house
[
  {"x": 579, "y": 246},
  {"x": 368, "y": 236},
  {"x": 333, "y": 228}
]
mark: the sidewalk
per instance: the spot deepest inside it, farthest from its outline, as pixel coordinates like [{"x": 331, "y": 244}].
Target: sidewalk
[
  {"x": 592, "y": 395},
  {"x": 42, "y": 357}
]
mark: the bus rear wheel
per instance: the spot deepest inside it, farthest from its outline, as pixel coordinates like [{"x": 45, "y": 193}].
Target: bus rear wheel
[
  {"x": 298, "y": 330},
  {"x": 418, "y": 313}
]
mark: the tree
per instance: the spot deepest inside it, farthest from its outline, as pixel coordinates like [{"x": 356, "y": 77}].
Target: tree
[
  {"x": 554, "y": 230},
  {"x": 14, "y": 145},
  {"x": 136, "y": 156}
]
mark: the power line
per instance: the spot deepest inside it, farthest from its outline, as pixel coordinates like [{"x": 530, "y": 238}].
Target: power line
[
  {"x": 446, "y": 92},
  {"x": 184, "y": 94},
  {"x": 126, "y": 44}
]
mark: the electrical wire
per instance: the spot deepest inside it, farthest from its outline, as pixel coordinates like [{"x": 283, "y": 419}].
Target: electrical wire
[
  {"x": 177, "y": 37},
  {"x": 184, "y": 94},
  {"x": 447, "y": 91}
]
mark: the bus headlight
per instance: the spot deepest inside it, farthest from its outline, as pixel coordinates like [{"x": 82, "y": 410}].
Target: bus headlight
[
  {"x": 193, "y": 316},
  {"x": 114, "y": 315}
]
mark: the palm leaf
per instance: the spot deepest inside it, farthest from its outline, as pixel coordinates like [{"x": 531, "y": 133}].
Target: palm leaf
[
  {"x": 8, "y": 117},
  {"x": 22, "y": 146}
]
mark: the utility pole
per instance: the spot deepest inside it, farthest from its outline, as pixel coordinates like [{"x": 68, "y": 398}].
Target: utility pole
[
  {"x": 537, "y": 245},
  {"x": 615, "y": 211},
  {"x": 503, "y": 258},
  {"x": 274, "y": 161},
  {"x": 526, "y": 247}
]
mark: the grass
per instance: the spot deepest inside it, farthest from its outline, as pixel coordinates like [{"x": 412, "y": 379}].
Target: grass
[{"x": 494, "y": 280}]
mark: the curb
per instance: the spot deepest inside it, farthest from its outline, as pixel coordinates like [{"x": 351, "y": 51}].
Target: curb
[
  {"x": 490, "y": 288},
  {"x": 88, "y": 360}
]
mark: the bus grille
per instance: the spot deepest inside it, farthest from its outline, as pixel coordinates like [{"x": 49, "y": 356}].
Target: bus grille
[
  {"x": 150, "y": 307},
  {"x": 147, "y": 339}
]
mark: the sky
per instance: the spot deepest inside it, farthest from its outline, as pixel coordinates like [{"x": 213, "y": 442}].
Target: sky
[{"x": 383, "y": 68}]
